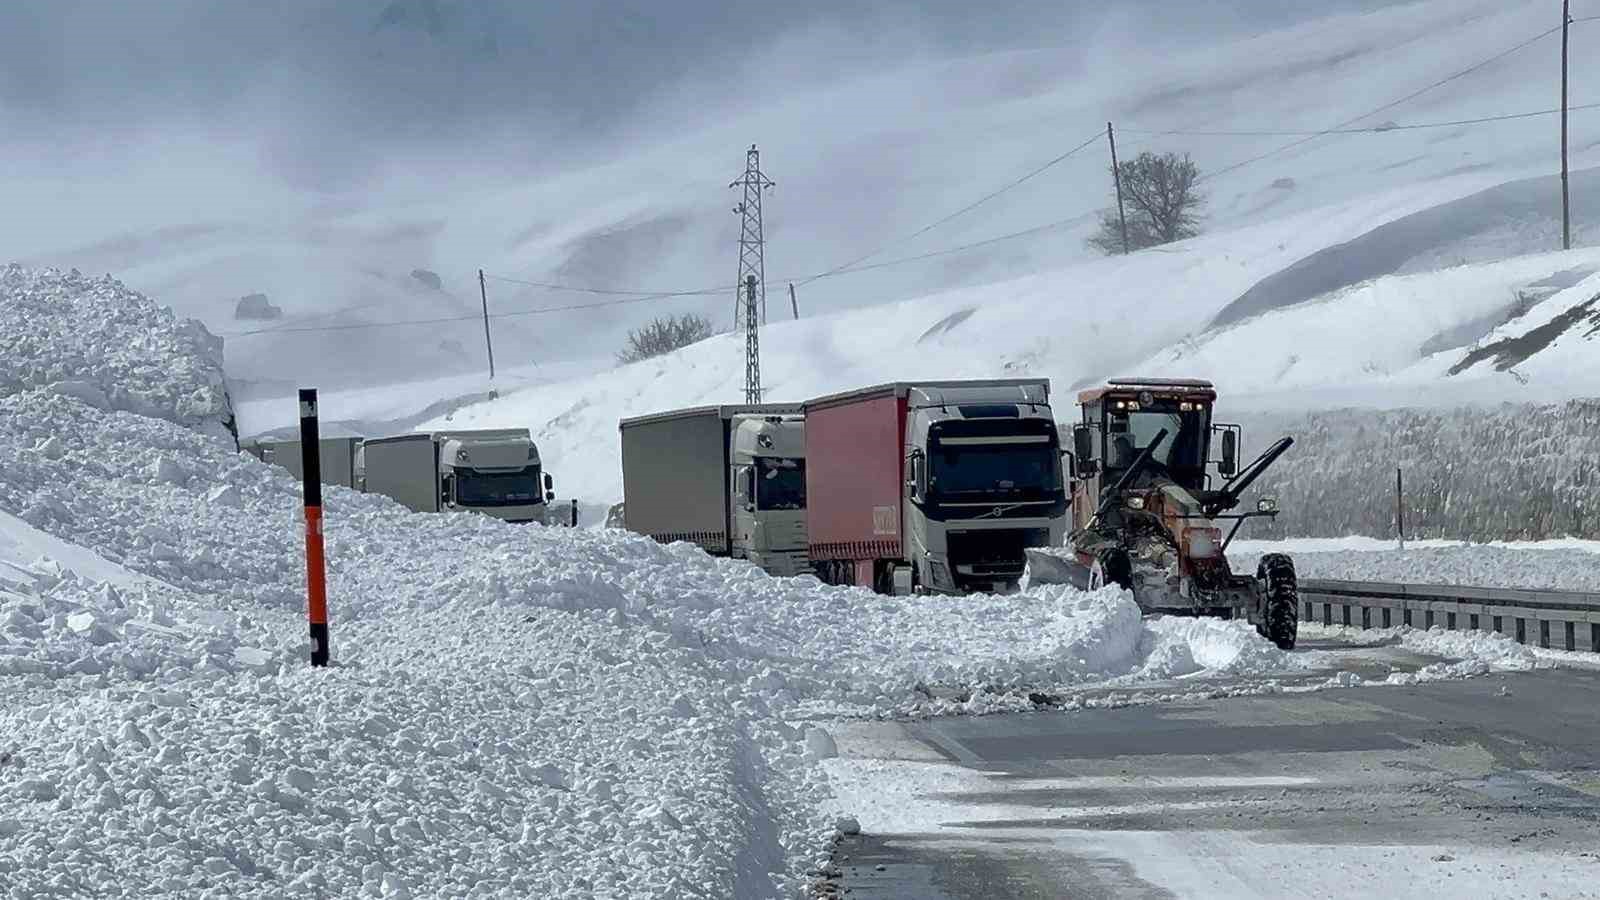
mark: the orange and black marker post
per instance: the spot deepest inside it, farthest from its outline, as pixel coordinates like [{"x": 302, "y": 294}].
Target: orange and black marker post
[{"x": 316, "y": 574}]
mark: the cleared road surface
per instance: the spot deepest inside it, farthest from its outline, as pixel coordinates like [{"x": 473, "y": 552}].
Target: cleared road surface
[{"x": 1484, "y": 787}]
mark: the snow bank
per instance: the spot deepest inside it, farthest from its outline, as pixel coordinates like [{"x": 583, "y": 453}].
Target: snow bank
[
  {"x": 111, "y": 347},
  {"x": 460, "y": 748},
  {"x": 1562, "y": 566}
]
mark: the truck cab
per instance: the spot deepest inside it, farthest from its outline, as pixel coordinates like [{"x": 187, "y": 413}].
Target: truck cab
[
  {"x": 494, "y": 472},
  {"x": 497, "y": 474},
  {"x": 768, "y": 468},
  {"x": 983, "y": 483}
]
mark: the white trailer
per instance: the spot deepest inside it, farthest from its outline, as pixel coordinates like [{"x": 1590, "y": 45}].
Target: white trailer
[
  {"x": 496, "y": 472},
  {"x": 338, "y": 456},
  {"x": 728, "y": 478}
]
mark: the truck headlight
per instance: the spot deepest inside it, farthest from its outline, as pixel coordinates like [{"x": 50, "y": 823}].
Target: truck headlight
[
  {"x": 1267, "y": 505},
  {"x": 1136, "y": 503}
]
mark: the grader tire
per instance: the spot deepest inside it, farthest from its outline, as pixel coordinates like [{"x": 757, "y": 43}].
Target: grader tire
[
  {"x": 1280, "y": 619},
  {"x": 1112, "y": 566}
]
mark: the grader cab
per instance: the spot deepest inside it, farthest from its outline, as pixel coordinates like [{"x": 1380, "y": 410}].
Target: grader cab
[{"x": 1147, "y": 516}]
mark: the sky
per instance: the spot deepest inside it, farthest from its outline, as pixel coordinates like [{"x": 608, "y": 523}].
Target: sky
[{"x": 319, "y": 150}]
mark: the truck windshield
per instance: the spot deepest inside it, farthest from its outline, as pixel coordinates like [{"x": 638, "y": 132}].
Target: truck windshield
[
  {"x": 498, "y": 488},
  {"x": 1129, "y": 433},
  {"x": 1013, "y": 470},
  {"x": 780, "y": 483}
]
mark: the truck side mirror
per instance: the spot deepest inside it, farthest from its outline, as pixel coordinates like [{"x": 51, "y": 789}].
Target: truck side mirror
[
  {"x": 916, "y": 475},
  {"x": 1229, "y": 463},
  {"x": 549, "y": 483},
  {"x": 1071, "y": 460},
  {"x": 1083, "y": 451},
  {"x": 447, "y": 487},
  {"x": 549, "y": 495},
  {"x": 750, "y": 487}
]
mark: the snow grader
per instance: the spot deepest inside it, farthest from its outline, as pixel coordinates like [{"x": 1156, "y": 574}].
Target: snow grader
[{"x": 1145, "y": 515}]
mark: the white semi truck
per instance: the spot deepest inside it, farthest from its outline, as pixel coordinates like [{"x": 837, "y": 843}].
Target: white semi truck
[
  {"x": 731, "y": 479},
  {"x": 494, "y": 472}
]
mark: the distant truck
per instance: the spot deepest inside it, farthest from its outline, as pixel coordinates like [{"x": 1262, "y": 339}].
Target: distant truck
[
  {"x": 338, "y": 457},
  {"x": 731, "y": 479},
  {"x": 933, "y": 486},
  {"x": 494, "y": 472}
]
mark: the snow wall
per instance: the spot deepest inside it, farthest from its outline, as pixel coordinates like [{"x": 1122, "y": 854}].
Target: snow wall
[{"x": 1508, "y": 472}]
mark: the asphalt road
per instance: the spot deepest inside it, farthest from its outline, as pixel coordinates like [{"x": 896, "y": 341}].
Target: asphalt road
[{"x": 1483, "y": 787}]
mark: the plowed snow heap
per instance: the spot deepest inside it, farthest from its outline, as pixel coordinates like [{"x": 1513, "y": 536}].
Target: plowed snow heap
[{"x": 110, "y": 346}]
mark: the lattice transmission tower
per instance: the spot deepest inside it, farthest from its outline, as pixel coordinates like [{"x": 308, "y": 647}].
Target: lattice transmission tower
[{"x": 750, "y": 297}]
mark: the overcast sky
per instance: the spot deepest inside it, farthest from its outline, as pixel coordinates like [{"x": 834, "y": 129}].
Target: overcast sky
[{"x": 391, "y": 69}]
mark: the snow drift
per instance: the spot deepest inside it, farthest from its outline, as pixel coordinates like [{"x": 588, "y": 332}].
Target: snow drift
[{"x": 108, "y": 346}]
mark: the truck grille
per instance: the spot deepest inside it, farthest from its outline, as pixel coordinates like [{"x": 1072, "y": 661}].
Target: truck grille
[{"x": 996, "y": 554}]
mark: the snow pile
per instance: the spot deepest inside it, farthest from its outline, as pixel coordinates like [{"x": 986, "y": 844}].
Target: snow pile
[
  {"x": 1184, "y": 646},
  {"x": 1560, "y": 567},
  {"x": 1465, "y": 653},
  {"x": 107, "y": 345},
  {"x": 548, "y": 751}
]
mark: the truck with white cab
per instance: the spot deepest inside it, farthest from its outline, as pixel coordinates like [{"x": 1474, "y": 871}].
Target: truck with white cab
[
  {"x": 731, "y": 479},
  {"x": 935, "y": 486},
  {"x": 495, "y": 472}
]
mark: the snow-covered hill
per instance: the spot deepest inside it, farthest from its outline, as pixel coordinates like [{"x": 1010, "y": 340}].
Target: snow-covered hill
[{"x": 861, "y": 162}]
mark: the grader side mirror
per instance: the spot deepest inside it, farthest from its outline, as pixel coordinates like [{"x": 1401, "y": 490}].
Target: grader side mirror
[{"x": 1229, "y": 463}]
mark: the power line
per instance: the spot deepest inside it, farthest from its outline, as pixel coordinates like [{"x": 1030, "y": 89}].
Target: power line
[
  {"x": 1387, "y": 106},
  {"x": 850, "y": 266},
  {"x": 854, "y": 264},
  {"x": 613, "y": 292},
  {"x": 1376, "y": 129}
]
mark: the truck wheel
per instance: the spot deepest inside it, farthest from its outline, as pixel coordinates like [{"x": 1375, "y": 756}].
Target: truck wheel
[
  {"x": 1111, "y": 566},
  {"x": 1280, "y": 606}
]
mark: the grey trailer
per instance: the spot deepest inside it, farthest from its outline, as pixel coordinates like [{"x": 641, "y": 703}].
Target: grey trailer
[
  {"x": 404, "y": 468},
  {"x": 338, "y": 457},
  {"x": 675, "y": 473}
]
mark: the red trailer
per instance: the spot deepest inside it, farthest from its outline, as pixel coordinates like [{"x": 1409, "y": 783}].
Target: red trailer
[
  {"x": 853, "y": 484},
  {"x": 936, "y": 486}
]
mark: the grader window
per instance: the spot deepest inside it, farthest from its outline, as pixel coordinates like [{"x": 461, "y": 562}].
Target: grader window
[{"x": 1128, "y": 432}]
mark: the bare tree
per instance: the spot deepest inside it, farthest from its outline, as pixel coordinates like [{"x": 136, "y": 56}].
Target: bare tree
[
  {"x": 1161, "y": 201},
  {"x": 664, "y": 335}
]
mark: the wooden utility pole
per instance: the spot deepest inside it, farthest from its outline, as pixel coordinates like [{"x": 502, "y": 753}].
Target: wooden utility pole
[
  {"x": 483, "y": 292},
  {"x": 794, "y": 305},
  {"x": 1116, "y": 175},
  {"x": 1566, "y": 208},
  {"x": 1400, "y": 505}
]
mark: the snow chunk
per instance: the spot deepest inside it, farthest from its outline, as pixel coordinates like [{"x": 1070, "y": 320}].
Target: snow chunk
[
  {"x": 224, "y": 495},
  {"x": 820, "y": 745},
  {"x": 34, "y": 789}
]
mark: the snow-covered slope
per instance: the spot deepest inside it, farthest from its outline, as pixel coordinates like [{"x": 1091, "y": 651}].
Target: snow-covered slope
[
  {"x": 1393, "y": 341},
  {"x": 899, "y": 150}
]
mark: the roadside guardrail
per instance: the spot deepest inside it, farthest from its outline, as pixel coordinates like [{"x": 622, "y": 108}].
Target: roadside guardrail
[{"x": 1558, "y": 620}]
